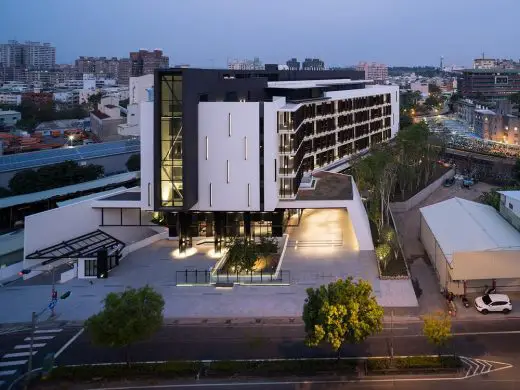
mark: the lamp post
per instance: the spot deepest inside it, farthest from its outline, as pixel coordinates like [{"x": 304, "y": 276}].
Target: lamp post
[
  {"x": 54, "y": 293},
  {"x": 34, "y": 319},
  {"x": 71, "y": 138}
]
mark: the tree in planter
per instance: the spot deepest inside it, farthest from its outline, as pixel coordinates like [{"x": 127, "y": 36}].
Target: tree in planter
[
  {"x": 242, "y": 254},
  {"x": 437, "y": 329},
  {"x": 127, "y": 317},
  {"x": 384, "y": 254},
  {"x": 343, "y": 311},
  {"x": 267, "y": 246}
]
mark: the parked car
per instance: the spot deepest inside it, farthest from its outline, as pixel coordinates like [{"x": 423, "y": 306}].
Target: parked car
[{"x": 493, "y": 303}]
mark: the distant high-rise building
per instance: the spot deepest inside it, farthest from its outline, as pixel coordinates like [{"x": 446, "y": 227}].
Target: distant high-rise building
[
  {"x": 293, "y": 64},
  {"x": 373, "y": 71},
  {"x": 313, "y": 64},
  {"x": 145, "y": 62},
  {"x": 100, "y": 66},
  {"x": 484, "y": 63},
  {"x": 254, "y": 64},
  {"x": 29, "y": 54},
  {"x": 123, "y": 76}
]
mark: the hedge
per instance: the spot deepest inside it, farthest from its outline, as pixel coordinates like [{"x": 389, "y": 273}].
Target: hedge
[
  {"x": 414, "y": 362},
  {"x": 263, "y": 368}
]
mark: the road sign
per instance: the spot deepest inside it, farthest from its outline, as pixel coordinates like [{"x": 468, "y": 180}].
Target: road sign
[{"x": 52, "y": 305}]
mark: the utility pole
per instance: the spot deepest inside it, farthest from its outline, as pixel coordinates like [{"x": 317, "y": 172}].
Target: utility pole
[{"x": 29, "y": 365}]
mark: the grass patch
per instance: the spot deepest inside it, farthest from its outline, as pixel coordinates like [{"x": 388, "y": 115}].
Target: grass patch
[{"x": 395, "y": 267}]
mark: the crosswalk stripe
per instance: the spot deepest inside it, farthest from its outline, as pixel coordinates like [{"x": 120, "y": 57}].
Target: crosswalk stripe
[
  {"x": 27, "y": 346},
  {"x": 13, "y": 363},
  {"x": 18, "y": 354},
  {"x": 48, "y": 330},
  {"x": 35, "y": 338},
  {"x": 7, "y": 372}
]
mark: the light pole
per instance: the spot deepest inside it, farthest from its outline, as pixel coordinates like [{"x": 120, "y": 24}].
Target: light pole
[
  {"x": 71, "y": 138},
  {"x": 54, "y": 294}
]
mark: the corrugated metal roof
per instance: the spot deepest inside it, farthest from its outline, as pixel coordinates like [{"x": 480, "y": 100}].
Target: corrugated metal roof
[
  {"x": 78, "y": 153},
  {"x": 460, "y": 225},
  {"x": 48, "y": 194}
]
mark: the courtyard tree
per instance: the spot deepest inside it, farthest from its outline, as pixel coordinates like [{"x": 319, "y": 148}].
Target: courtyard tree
[
  {"x": 127, "y": 317},
  {"x": 437, "y": 329},
  {"x": 242, "y": 254},
  {"x": 341, "y": 312}
]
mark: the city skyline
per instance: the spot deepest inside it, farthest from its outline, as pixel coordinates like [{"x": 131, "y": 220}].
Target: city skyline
[{"x": 207, "y": 34}]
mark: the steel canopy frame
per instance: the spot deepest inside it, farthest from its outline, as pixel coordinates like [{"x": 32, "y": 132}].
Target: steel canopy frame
[{"x": 83, "y": 246}]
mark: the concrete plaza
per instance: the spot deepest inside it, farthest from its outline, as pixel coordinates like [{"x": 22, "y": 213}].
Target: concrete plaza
[{"x": 320, "y": 250}]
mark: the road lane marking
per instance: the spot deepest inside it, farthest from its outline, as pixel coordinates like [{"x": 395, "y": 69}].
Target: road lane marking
[
  {"x": 48, "y": 330},
  {"x": 13, "y": 363},
  {"x": 8, "y": 372},
  {"x": 18, "y": 354},
  {"x": 68, "y": 343},
  {"x": 27, "y": 346},
  {"x": 36, "y": 338}
]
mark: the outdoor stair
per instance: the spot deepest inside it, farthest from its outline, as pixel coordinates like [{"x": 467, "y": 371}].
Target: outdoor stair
[{"x": 313, "y": 243}]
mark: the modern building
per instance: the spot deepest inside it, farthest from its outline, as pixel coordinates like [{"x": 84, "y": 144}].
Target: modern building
[
  {"x": 124, "y": 71},
  {"x": 100, "y": 66},
  {"x": 138, "y": 93},
  {"x": 489, "y": 84},
  {"x": 28, "y": 54},
  {"x": 471, "y": 246},
  {"x": 374, "y": 71},
  {"x": 236, "y": 149},
  {"x": 9, "y": 118},
  {"x": 145, "y": 62}
]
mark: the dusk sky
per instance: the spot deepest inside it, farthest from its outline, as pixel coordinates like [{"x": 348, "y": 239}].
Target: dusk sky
[{"x": 208, "y": 32}]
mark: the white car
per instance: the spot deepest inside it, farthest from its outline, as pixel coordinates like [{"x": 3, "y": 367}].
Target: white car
[{"x": 493, "y": 302}]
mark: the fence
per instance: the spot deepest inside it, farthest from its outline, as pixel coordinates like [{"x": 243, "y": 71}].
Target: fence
[{"x": 205, "y": 277}]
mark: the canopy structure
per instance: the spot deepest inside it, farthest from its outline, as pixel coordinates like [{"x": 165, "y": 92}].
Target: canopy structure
[{"x": 84, "y": 246}]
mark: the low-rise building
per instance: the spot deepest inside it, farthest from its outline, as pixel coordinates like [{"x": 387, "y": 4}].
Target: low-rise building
[
  {"x": 104, "y": 121},
  {"x": 9, "y": 118},
  {"x": 471, "y": 246},
  {"x": 11, "y": 99}
]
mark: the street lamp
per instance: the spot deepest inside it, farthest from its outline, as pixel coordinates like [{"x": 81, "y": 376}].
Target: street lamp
[
  {"x": 71, "y": 138},
  {"x": 54, "y": 293}
]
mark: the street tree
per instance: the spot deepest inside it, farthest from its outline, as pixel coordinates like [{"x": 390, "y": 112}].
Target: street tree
[
  {"x": 133, "y": 163},
  {"x": 341, "y": 312},
  {"x": 437, "y": 329},
  {"x": 127, "y": 317}
]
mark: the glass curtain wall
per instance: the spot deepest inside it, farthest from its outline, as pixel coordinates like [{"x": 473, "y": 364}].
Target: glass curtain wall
[{"x": 171, "y": 141}]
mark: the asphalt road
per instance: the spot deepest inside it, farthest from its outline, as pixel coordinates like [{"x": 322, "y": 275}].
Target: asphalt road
[{"x": 498, "y": 339}]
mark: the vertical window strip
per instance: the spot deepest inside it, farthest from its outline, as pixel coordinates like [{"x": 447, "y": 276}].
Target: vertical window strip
[
  {"x": 275, "y": 168},
  {"x": 227, "y": 170},
  {"x": 245, "y": 148},
  {"x": 248, "y": 194},
  {"x": 207, "y": 148},
  {"x": 210, "y": 194},
  {"x": 229, "y": 124}
]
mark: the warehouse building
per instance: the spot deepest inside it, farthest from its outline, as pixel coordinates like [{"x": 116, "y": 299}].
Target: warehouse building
[{"x": 471, "y": 246}]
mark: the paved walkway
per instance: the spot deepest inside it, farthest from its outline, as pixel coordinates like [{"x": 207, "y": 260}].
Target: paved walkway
[{"x": 310, "y": 266}]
